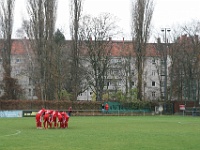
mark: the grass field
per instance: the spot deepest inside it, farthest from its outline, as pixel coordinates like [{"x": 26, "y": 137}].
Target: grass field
[{"x": 104, "y": 133}]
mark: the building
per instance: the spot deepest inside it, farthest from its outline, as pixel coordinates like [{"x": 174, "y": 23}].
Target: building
[
  {"x": 122, "y": 72},
  {"x": 122, "y": 76}
]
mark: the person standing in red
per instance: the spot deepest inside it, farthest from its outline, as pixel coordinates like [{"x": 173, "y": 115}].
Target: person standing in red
[
  {"x": 38, "y": 118},
  {"x": 107, "y": 107}
]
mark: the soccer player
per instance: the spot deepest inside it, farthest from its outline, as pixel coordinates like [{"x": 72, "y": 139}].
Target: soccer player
[
  {"x": 60, "y": 120},
  {"x": 47, "y": 119},
  {"x": 38, "y": 118},
  {"x": 65, "y": 119},
  {"x": 50, "y": 121},
  {"x": 55, "y": 120}
]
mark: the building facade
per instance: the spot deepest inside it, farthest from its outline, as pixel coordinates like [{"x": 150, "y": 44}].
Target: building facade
[{"x": 121, "y": 74}]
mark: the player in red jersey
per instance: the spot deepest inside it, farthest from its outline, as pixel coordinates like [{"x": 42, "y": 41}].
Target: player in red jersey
[
  {"x": 65, "y": 117},
  {"x": 48, "y": 119},
  {"x": 38, "y": 118},
  {"x": 55, "y": 120},
  {"x": 60, "y": 120},
  {"x": 45, "y": 120}
]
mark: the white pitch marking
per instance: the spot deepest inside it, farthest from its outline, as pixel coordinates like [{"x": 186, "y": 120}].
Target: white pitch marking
[{"x": 18, "y": 132}]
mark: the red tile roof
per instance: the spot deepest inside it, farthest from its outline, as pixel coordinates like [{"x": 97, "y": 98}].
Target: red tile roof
[
  {"x": 126, "y": 48},
  {"x": 119, "y": 48},
  {"x": 19, "y": 47}
]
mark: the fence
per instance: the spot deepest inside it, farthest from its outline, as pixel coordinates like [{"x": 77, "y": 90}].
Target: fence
[{"x": 90, "y": 107}]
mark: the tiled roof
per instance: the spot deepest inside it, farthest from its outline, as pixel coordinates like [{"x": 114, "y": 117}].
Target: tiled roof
[
  {"x": 19, "y": 46},
  {"x": 119, "y": 48},
  {"x": 126, "y": 48}
]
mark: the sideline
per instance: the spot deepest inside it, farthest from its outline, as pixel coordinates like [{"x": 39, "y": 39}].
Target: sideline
[
  {"x": 188, "y": 123},
  {"x": 17, "y": 132}
]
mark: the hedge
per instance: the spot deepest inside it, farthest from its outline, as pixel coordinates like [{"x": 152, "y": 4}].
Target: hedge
[{"x": 57, "y": 105}]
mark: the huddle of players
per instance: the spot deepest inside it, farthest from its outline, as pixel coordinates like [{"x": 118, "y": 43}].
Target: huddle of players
[{"x": 51, "y": 118}]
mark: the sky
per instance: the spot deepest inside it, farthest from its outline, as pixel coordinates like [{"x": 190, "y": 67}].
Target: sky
[{"x": 167, "y": 14}]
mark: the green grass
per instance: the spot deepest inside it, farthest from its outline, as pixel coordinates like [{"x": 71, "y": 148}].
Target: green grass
[{"x": 104, "y": 133}]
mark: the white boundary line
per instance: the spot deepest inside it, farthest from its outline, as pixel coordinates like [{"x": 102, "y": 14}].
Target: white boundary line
[
  {"x": 18, "y": 132},
  {"x": 188, "y": 123}
]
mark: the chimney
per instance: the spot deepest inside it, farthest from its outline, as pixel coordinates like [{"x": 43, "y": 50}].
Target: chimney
[
  {"x": 158, "y": 40},
  {"x": 110, "y": 39},
  {"x": 196, "y": 38}
]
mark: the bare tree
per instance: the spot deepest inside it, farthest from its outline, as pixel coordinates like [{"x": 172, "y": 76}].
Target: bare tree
[
  {"x": 142, "y": 12},
  {"x": 127, "y": 69},
  {"x": 10, "y": 85},
  {"x": 185, "y": 67},
  {"x": 59, "y": 63},
  {"x": 96, "y": 34},
  {"x": 40, "y": 30},
  {"x": 76, "y": 9}
]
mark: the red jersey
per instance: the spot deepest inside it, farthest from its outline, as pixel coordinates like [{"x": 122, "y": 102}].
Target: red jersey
[
  {"x": 40, "y": 112},
  {"x": 107, "y": 107}
]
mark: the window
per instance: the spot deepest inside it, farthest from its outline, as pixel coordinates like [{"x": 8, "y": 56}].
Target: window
[
  {"x": 17, "y": 60},
  {"x": 153, "y": 83},
  {"x": 133, "y": 73},
  {"x": 34, "y": 92},
  {"x": 153, "y": 61},
  {"x": 153, "y": 73},
  {"x": 29, "y": 81},
  {"x": 108, "y": 84},
  {"x": 153, "y": 94},
  {"x": 29, "y": 92},
  {"x": 115, "y": 71},
  {"x": 16, "y": 72},
  {"x": 162, "y": 83},
  {"x": 90, "y": 93},
  {"x": 162, "y": 61},
  {"x": 132, "y": 83},
  {"x": 162, "y": 72},
  {"x": 162, "y": 95}
]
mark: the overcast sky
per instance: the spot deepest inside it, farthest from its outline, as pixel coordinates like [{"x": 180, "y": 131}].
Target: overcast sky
[{"x": 167, "y": 13}]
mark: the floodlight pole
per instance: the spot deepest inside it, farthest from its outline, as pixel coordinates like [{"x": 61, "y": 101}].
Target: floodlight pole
[{"x": 165, "y": 30}]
